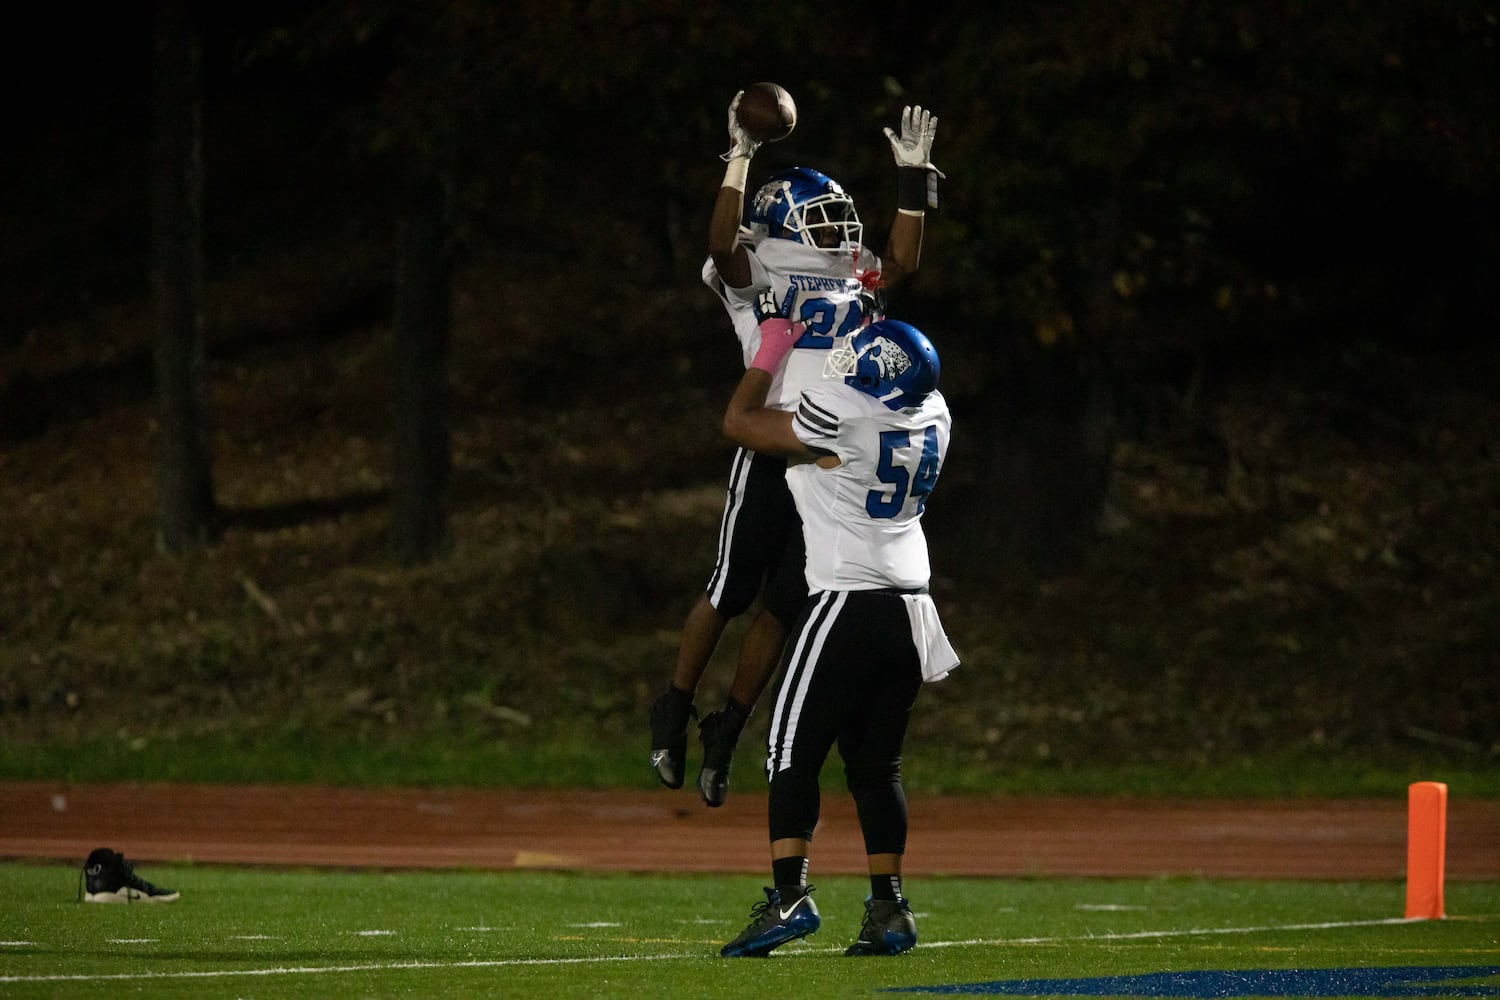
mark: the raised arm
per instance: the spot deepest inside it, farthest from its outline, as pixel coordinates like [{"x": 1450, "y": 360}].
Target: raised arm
[
  {"x": 730, "y": 258},
  {"x": 916, "y": 190}
]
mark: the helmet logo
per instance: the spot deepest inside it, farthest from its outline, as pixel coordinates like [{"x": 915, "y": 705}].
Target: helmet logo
[
  {"x": 768, "y": 196},
  {"x": 892, "y": 361}
]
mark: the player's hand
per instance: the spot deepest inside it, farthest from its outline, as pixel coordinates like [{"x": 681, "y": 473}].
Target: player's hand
[
  {"x": 766, "y": 306},
  {"x": 913, "y": 147},
  {"x": 740, "y": 143},
  {"x": 778, "y": 335}
]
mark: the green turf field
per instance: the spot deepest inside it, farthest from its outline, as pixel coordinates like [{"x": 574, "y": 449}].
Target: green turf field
[{"x": 240, "y": 932}]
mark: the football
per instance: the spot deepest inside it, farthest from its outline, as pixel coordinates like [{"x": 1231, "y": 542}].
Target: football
[{"x": 767, "y": 112}]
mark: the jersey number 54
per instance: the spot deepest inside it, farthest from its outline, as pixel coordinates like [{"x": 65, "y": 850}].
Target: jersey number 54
[{"x": 907, "y": 471}]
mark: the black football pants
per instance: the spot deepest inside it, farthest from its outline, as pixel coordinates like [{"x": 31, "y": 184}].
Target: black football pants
[
  {"x": 850, "y": 676},
  {"x": 760, "y": 542}
]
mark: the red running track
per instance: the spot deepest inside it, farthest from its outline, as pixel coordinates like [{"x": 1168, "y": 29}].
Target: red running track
[{"x": 660, "y": 830}]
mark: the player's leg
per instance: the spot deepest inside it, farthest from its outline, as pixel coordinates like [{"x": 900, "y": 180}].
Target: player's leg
[
  {"x": 802, "y": 734},
  {"x": 784, "y": 598},
  {"x": 743, "y": 556},
  {"x": 759, "y": 655},
  {"x": 673, "y": 708},
  {"x": 701, "y": 631},
  {"x": 806, "y": 717},
  {"x": 871, "y": 743},
  {"x": 720, "y": 731}
]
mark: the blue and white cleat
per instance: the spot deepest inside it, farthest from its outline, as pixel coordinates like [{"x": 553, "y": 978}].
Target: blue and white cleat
[
  {"x": 773, "y": 923},
  {"x": 889, "y": 929}
]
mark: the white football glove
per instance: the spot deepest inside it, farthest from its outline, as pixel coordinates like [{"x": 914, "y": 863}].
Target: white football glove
[
  {"x": 913, "y": 147},
  {"x": 740, "y": 143}
]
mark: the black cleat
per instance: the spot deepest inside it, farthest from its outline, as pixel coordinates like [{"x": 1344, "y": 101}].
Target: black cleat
[
  {"x": 719, "y": 731},
  {"x": 108, "y": 878},
  {"x": 889, "y": 929},
  {"x": 670, "y": 714}
]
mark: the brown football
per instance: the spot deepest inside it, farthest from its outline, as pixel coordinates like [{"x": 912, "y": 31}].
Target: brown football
[{"x": 767, "y": 112}]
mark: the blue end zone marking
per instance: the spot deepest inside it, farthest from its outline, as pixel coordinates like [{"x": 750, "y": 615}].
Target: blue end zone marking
[{"x": 1396, "y": 981}]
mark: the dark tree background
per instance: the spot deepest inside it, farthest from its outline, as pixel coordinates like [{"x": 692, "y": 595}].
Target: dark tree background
[
  {"x": 1190, "y": 258},
  {"x": 1136, "y": 189},
  {"x": 185, "y": 498}
]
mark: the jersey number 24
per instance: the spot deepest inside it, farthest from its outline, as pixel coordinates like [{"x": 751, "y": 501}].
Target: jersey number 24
[{"x": 818, "y": 316}]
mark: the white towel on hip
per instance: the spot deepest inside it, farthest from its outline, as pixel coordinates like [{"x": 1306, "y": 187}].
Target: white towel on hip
[{"x": 938, "y": 657}]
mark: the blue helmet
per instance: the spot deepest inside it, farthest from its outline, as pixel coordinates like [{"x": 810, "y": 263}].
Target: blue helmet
[
  {"x": 802, "y": 204},
  {"x": 890, "y": 360}
]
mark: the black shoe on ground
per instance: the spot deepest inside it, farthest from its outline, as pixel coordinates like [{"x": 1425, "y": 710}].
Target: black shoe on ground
[
  {"x": 108, "y": 878},
  {"x": 773, "y": 924},
  {"x": 889, "y": 929},
  {"x": 720, "y": 732},
  {"x": 670, "y": 714}
]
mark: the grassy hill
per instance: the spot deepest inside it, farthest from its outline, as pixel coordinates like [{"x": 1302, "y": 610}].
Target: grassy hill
[{"x": 1296, "y": 578}]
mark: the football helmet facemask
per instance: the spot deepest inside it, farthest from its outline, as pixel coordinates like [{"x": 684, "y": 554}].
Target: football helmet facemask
[
  {"x": 808, "y": 206},
  {"x": 890, "y": 360}
]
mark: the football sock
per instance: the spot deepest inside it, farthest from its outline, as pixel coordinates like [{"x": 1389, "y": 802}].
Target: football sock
[
  {"x": 886, "y": 887},
  {"x": 790, "y": 876}
]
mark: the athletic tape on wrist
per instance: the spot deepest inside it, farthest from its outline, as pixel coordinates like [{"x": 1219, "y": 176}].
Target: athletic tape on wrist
[
  {"x": 768, "y": 358},
  {"x": 737, "y": 172},
  {"x": 775, "y": 345}
]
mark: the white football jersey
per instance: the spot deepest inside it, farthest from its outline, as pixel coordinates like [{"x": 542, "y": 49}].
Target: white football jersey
[
  {"x": 817, "y": 288},
  {"x": 862, "y": 520}
]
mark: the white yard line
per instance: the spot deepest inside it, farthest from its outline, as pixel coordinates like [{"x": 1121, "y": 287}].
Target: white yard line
[
  {"x": 323, "y": 970},
  {"x": 1187, "y": 932}
]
